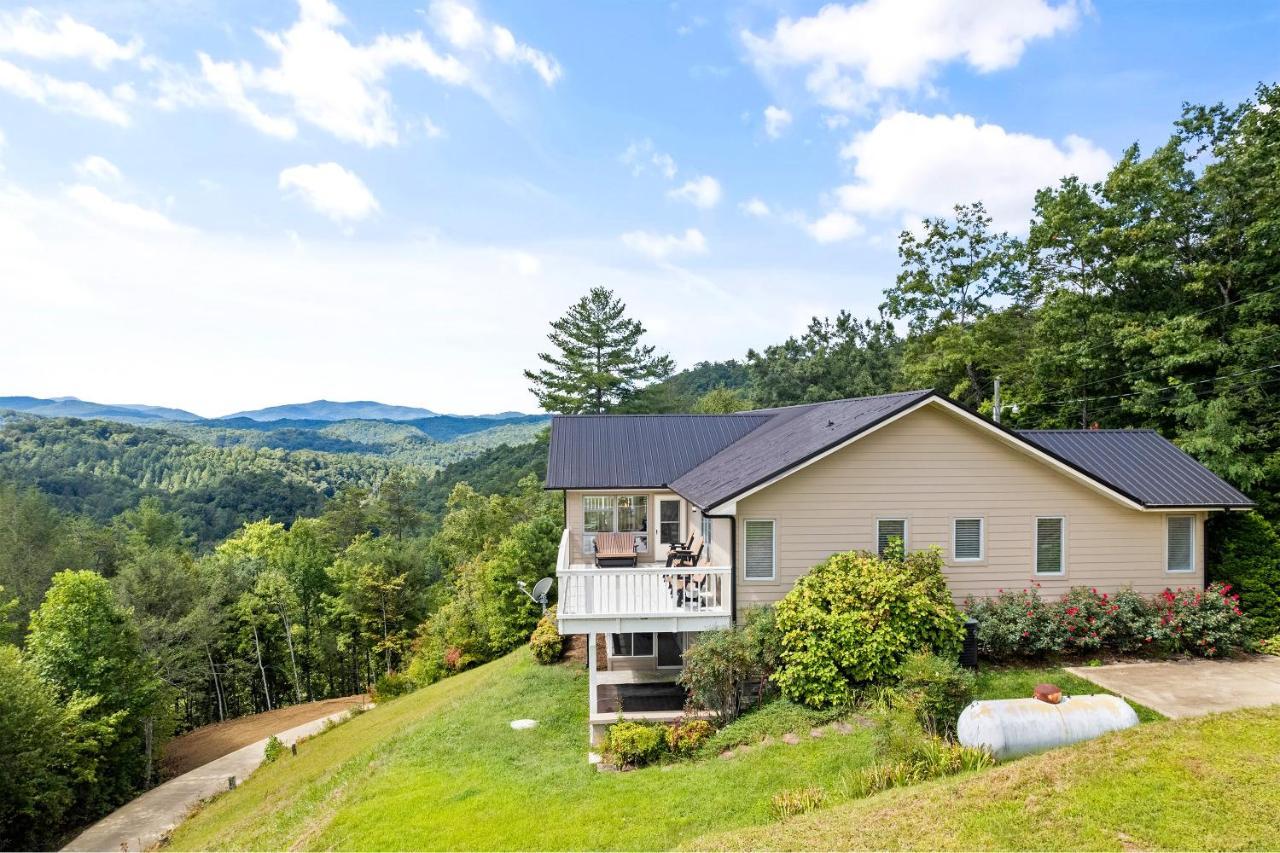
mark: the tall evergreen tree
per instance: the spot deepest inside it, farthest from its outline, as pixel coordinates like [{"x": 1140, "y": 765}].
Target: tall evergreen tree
[{"x": 600, "y": 363}]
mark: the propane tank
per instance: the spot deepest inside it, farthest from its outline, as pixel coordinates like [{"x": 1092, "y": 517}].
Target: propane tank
[{"x": 1013, "y": 727}]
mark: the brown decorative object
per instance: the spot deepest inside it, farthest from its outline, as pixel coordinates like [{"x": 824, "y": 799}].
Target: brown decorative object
[{"x": 1050, "y": 693}]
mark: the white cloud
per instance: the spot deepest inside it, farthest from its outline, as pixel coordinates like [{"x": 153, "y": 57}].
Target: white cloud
[
  {"x": 459, "y": 24},
  {"x": 776, "y": 120},
  {"x": 331, "y": 190},
  {"x": 32, "y": 33},
  {"x": 835, "y": 121},
  {"x": 854, "y": 53},
  {"x": 98, "y": 168},
  {"x": 641, "y": 155},
  {"x": 834, "y": 227},
  {"x": 71, "y": 96},
  {"x": 661, "y": 246},
  {"x": 703, "y": 192},
  {"x": 913, "y": 165},
  {"x": 111, "y": 211},
  {"x": 320, "y": 77},
  {"x": 754, "y": 207}
]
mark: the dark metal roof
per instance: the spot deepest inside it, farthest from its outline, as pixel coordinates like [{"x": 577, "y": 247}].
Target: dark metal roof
[
  {"x": 791, "y": 436},
  {"x": 1142, "y": 464},
  {"x": 712, "y": 459},
  {"x": 637, "y": 451}
]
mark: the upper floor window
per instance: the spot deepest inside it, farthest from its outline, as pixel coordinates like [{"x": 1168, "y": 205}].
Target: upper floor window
[
  {"x": 1180, "y": 543},
  {"x": 1050, "y": 545},
  {"x": 615, "y": 514},
  {"x": 967, "y": 543},
  {"x": 888, "y": 529}
]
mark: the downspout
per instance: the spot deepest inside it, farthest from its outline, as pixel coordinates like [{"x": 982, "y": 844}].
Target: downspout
[{"x": 733, "y": 564}]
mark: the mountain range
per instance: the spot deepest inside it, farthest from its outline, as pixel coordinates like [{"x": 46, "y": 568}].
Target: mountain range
[{"x": 316, "y": 410}]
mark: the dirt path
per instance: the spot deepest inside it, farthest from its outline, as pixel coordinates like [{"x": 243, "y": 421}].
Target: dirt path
[
  {"x": 143, "y": 823},
  {"x": 200, "y": 746}
]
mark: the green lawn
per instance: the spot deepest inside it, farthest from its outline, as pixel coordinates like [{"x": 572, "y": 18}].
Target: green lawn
[
  {"x": 441, "y": 768},
  {"x": 1017, "y": 682},
  {"x": 1207, "y": 783}
]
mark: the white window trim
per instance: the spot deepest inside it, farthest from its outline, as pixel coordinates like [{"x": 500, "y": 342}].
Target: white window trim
[
  {"x": 588, "y": 536},
  {"x": 1035, "y": 547},
  {"x": 773, "y": 560},
  {"x": 1194, "y": 520},
  {"x": 906, "y": 533},
  {"x": 651, "y": 656},
  {"x": 982, "y": 539},
  {"x": 680, "y": 517}
]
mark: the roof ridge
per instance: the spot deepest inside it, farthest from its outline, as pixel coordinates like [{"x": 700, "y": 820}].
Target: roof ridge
[
  {"x": 1072, "y": 431},
  {"x": 838, "y": 400},
  {"x": 752, "y": 413}
]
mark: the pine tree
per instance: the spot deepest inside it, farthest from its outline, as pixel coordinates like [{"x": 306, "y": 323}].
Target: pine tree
[{"x": 601, "y": 363}]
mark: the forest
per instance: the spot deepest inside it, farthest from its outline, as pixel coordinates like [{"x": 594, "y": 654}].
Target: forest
[{"x": 155, "y": 580}]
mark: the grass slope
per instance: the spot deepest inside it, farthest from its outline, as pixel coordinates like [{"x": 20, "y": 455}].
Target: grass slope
[
  {"x": 1208, "y": 783},
  {"x": 441, "y": 768}
]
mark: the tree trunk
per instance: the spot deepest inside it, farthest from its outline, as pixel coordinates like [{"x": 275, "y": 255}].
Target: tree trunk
[
  {"x": 386, "y": 645},
  {"x": 266, "y": 691},
  {"x": 293, "y": 660},
  {"x": 217, "y": 685}
]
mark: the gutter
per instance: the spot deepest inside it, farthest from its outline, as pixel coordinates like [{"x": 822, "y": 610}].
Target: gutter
[{"x": 733, "y": 564}]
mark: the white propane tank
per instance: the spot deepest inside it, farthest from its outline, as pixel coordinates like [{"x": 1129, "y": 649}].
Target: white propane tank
[{"x": 1013, "y": 727}]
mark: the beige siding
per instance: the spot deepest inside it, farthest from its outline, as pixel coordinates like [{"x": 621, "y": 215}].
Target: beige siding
[{"x": 930, "y": 468}]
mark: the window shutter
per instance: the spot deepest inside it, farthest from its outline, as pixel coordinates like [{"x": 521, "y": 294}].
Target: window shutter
[
  {"x": 1049, "y": 546},
  {"x": 890, "y": 528},
  {"x": 1180, "y": 553},
  {"x": 968, "y": 545},
  {"x": 759, "y": 549}
]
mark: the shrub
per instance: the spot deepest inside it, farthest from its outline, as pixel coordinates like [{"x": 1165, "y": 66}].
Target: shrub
[
  {"x": 390, "y": 685},
  {"x": 273, "y": 750},
  {"x": 1206, "y": 622},
  {"x": 1245, "y": 552},
  {"x": 686, "y": 737},
  {"x": 634, "y": 744},
  {"x": 1131, "y": 616},
  {"x": 546, "y": 642},
  {"x": 797, "y": 801},
  {"x": 855, "y": 617},
  {"x": 936, "y": 689},
  {"x": 1017, "y": 624},
  {"x": 1270, "y": 646},
  {"x": 721, "y": 667}
]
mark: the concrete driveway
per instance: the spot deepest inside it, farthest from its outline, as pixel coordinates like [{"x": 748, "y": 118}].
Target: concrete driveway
[{"x": 1190, "y": 688}]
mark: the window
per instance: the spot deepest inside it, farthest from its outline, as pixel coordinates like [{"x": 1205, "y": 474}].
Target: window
[
  {"x": 615, "y": 514},
  {"x": 1050, "y": 546},
  {"x": 706, "y": 533},
  {"x": 668, "y": 521},
  {"x": 1180, "y": 543},
  {"x": 760, "y": 549},
  {"x": 967, "y": 542},
  {"x": 887, "y": 529},
  {"x": 632, "y": 645}
]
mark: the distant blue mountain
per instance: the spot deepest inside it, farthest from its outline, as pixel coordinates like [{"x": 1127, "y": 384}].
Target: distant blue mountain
[
  {"x": 71, "y": 407},
  {"x": 327, "y": 410}
]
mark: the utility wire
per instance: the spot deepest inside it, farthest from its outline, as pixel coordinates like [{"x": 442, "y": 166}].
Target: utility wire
[
  {"x": 1201, "y": 394},
  {"x": 1160, "y": 391}
]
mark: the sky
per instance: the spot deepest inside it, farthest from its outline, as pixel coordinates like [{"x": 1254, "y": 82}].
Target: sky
[{"x": 222, "y": 206}]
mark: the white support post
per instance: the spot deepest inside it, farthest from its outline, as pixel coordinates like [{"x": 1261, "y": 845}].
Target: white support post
[{"x": 591, "y": 673}]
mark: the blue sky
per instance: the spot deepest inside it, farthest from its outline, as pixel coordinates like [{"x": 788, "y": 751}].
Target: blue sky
[{"x": 225, "y": 205}]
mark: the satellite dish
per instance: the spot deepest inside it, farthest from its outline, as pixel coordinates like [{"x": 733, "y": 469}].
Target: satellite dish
[{"x": 539, "y": 592}]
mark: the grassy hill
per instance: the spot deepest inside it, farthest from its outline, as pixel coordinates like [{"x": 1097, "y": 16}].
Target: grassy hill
[
  {"x": 442, "y": 769},
  {"x": 1208, "y": 783}
]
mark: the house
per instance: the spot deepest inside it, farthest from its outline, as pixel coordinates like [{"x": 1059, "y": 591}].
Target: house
[{"x": 768, "y": 494}]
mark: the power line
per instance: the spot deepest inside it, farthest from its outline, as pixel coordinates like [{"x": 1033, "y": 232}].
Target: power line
[
  {"x": 1198, "y": 394},
  {"x": 1147, "y": 369},
  {"x": 1170, "y": 388}
]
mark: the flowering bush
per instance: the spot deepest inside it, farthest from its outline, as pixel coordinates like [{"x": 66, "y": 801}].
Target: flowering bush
[
  {"x": 1206, "y": 622},
  {"x": 684, "y": 738},
  {"x": 1017, "y": 624}
]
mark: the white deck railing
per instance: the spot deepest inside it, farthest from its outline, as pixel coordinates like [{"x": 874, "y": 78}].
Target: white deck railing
[{"x": 641, "y": 592}]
